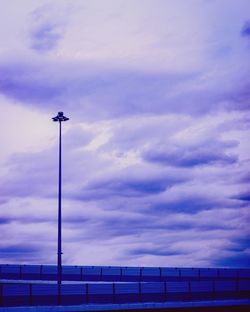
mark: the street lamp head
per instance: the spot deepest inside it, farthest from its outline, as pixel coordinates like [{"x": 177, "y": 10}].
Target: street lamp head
[{"x": 60, "y": 117}]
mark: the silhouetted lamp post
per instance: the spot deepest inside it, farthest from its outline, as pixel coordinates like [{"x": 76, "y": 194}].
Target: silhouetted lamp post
[{"x": 60, "y": 118}]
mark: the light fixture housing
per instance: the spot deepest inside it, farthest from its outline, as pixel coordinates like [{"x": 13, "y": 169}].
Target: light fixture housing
[{"x": 60, "y": 117}]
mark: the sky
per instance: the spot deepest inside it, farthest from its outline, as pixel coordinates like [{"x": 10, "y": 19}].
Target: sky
[{"x": 156, "y": 153}]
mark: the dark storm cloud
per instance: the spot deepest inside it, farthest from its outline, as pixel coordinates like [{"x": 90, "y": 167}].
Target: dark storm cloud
[
  {"x": 243, "y": 196},
  {"x": 106, "y": 93},
  {"x": 45, "y": 37},
  {"x": 189, "y": 205},
  {"x": 20, "y": 82},
  {"x": 110, "y": 93},
  {"x": 4, "y": 220},
  {"x": 192, "y": 204},
  {"x": 235, "y": 260},
  {"x": 21, "y": 252},
  {"x": 131, "y": 187},
  {"x": 155, "y": 252},
  {"x": 129, "y": 226},
  {"x": 132, "y": 182},
  {"x": 47, "y": 27},
  {"x": 240, "y": 244},
  {"x": 206, "y": 153},
  {"x": 237, "y": 254},
  {"x": 246, "y": 29},
  {"x": 245, "y": 177},
  {"x": 17, "y": 249}
]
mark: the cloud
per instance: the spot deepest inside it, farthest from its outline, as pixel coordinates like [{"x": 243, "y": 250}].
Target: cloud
[
  {"x": 206, "y": 153},
  {"x": 188, "y": 205},
  {"x": 45, "y": 37},
  {"x": 4, "y": 220},
  {"x": 238, "y": 260},
  {"x": 14, "y": 250},
  {"x": 135, "y": 181},
  {"x": 128, "y": 207},
  {"x": 47, "y": 27},
  {"x": 243, "y": 196},
  {"x": 29, "y": 172},
  {"x": 236, "y": 255},
  {"x": 95, "y": 92},
  {"x": 246, "y": 29},
  {"x": 156, "y": 252}
]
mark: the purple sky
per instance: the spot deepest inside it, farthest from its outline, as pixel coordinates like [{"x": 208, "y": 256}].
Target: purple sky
[{"x": 156, "y": 154}]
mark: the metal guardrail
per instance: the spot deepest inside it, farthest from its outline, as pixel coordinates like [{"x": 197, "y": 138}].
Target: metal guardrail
[
  {"x": 112, "y": 293},
  {"x": 116, "y": 274}
]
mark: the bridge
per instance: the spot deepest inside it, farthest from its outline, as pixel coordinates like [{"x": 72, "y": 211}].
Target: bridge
[{"x": 108, "y": 288}]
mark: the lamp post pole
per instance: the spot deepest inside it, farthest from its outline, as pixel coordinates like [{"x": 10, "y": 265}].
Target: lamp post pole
[{"x": 60, "y": 117}]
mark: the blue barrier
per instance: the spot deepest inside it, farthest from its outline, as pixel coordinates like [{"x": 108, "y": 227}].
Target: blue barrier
[
  {"x": 100, "y": 293},
  {"x": 151, "y": 274},
  {"x": 110, "y": 293},
  {"x": 131, "y": 274},
  {"x": 244, "y": 273},
  {"x": 170, "y": 274},
  {"x": 224, "y": 273},
  {"x": 71, "y": 273},
  {"x": 127, "y": 292},
  {"x": 49, "y": 272},
  {"x": 73, "y": 293},
  {"x": 207, "y": 274},
  {"x": 178, "y": 291},
  {"x": 202, "y": 290},
  {"x": 225, "y": 289},
  {"x": 187, "y": 273},
  {"x": 10, "y": 271},
  {"x": 44, "y": 294},
  {"x": 15, "y": 295},
  {"x": 116, "y": 274},
  {"x": 91, "y": 273},
  {"x": 111, "y": 273},
  {"x": 30, "y": 272},
  {"x": 153, "y": 292}
]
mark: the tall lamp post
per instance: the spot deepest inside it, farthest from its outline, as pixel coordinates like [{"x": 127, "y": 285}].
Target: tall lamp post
[{"x": 60, "y": 117}]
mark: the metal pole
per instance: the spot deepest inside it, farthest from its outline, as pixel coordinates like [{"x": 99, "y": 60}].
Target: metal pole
[
  {"x": 60, "y": 117},
  {"x": 59, "y": 252}
]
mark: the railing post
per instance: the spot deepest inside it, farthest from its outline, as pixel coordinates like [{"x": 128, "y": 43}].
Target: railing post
[
  {"x": 87, "y": 293},
  {"x": 1, "y": 294},
  {"x": 165, "y": 291},
  {"x": 113, "y": 292},
  {"x": 30, "y": 292},
  {"x": 81, "y": 277},
  {"x": 120, "y": 273},
  {"x": 140, "y": 295},
  {"x": 59, "y": 293}
]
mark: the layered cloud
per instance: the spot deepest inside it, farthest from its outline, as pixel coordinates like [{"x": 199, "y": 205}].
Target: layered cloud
[{"x": 47, "y": 27}]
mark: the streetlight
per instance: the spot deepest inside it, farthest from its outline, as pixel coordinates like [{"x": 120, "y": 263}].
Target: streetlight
[{"x": 59, "y": 118}]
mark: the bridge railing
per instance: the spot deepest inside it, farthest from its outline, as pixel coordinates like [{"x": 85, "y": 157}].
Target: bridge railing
[
  {"x": 14, "y": 294},
  {"x": 116, "y": 274}
]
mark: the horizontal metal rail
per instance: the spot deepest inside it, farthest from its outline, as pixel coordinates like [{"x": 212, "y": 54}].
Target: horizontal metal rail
[
  {"x": 27, "y": 294},
  {"x": 116, "y": 274}
]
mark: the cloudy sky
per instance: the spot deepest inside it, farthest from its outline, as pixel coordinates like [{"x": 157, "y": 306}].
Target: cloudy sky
[{"x": 156, "y": 153}]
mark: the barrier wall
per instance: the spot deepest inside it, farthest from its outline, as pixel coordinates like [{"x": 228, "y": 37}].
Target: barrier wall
[
  {"x": 116, "y": 274},
  {"x": 92, "y": 293},
  {"x": 120, "y": 284},
  {"x": 101, "y": 293}
]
